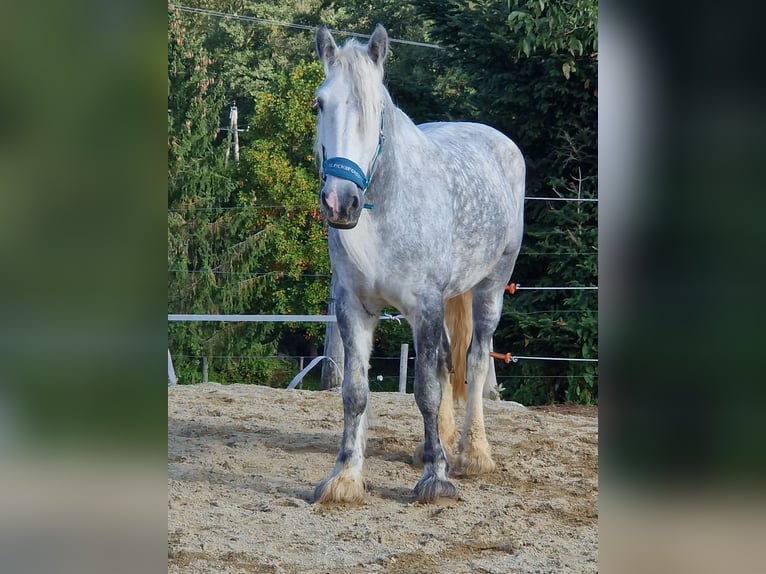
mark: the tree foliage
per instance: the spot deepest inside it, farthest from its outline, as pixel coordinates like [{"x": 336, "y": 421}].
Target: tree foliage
[
  {"x": 278, "y": 181},
  {"x": 556, "y": 27},
  {"x": 212, "y": 249},
  {"x": 248, "y": 238}
]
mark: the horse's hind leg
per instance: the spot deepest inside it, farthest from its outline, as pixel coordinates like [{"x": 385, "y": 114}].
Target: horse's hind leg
[
  {"x": 428, "y": 330},
  {"x": 475, "y": 457},
  {"x": 448, "y": 434},
  {"x": 345, "y": 484}
]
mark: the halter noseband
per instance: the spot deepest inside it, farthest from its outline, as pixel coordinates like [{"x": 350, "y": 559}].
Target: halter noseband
[{"x": 344, "y": 168}]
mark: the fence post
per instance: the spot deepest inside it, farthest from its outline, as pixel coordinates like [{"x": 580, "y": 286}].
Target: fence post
[
  {"x": 171, "y": 370},
  {"x": 490, "y": 382},
  {"x": 332, "y": 375},
  {"x": 204, "y": 369},
  {"x": 300, "y": 368},
  {"x": 403, "y": 367}
]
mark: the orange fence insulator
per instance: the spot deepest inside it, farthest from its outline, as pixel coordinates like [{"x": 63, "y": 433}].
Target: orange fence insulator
[
  {"x": 506, "y": 357},
  {"x": 511, "y": 288}
]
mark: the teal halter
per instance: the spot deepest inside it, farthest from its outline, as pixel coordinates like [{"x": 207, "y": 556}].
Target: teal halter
[{"x": 344, "y": 168}]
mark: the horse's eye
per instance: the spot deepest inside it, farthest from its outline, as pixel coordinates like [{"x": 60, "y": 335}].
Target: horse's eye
[{"x": 316, "y": 105}]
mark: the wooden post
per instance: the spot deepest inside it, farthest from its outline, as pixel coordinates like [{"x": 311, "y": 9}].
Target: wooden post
[
  {"x": 171, "y": 370},
  {"x": 332, "y": 376},
  {"x": 490, "y": 382},
  {"x": 204, "y": 369},
  {"x": 405, "y": 351},
  {"x": 300, "y": 368}
]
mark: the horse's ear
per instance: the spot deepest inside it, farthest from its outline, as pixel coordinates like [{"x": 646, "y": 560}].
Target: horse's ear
[
  {"x": 378, "y": 45},
  {"x": 326, "y": 47}
]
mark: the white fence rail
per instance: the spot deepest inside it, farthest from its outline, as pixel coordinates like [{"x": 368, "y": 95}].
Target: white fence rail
[{"x": 327, "y": 319}]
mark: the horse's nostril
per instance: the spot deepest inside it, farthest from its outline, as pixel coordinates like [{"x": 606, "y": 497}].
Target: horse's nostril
[{"x": 355, "y": 203}]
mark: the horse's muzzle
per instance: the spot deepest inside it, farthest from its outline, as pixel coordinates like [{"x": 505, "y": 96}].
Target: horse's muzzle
[{"x": 342, "y": 203}]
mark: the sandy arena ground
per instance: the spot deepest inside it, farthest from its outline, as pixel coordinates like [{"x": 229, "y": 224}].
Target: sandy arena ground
[{"x": 243, "y": 461}]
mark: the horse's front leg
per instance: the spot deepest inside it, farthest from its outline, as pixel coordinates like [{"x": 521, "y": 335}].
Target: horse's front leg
[
  {"x": 448, "y": 434},
  {"x": 428, "y": 393},
  {"x": 346, "y": 484}
]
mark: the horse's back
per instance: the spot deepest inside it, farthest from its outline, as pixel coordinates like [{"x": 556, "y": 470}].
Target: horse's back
[
  {"x": 441, "y": 131},
  {"x": 476, "y": 151},
  {"x": 461, "y": 136},
  {"x": 483, "y": 171}
]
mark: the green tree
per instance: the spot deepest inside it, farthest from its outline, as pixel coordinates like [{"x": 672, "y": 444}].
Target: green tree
[
  {"x": 557, "y": 27},
  {"x": 279, "y": 185},
  {"x": 250, "y": 56},
  {"x": 210, "y": 247}
]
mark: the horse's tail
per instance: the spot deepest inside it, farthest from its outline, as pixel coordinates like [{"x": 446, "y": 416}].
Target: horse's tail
[{"x": 458, "y": 318}]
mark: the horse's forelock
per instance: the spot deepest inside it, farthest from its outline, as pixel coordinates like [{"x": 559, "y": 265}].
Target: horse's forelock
[{"x": 366, "y": 83}]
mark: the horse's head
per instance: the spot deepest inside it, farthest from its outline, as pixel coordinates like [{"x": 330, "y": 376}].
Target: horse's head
[{"x": 349, "y": 127}]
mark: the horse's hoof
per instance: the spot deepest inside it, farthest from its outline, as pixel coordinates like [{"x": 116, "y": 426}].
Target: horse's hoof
[
  {"x": 430, "y": 489},
  {"x": 474, "y": 462},
  {"x": 340, "y": 489}
]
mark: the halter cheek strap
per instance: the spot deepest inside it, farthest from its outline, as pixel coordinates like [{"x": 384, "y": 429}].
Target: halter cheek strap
[{"x": 344, "y": 168}]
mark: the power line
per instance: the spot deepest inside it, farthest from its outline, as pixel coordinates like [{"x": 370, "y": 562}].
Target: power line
[
  {"x": 542, "y": 312},
  {"x": 328, "y": 275},
  {"x": 314, "y": 206},
  {"x": 519, "y": 287},
  {"x": 330, "y": 319},
  {"x": 512, "y": 288},
  {"x": 522, "y": 358},
  {"x": 266, "y": 21},
  {"x": 503, "y": 377},
  {"x": 195, "y": 317},
  {"x": 593, "y": 199},
  {"x": 546, "y": 253},
  {"x": 282, "y": 274},
  {"x": 295, "y": 357},
  {"x": 297, "y": 317},
  {"x": 239, "y": 208},
  {"x": 187, "y": 317}
]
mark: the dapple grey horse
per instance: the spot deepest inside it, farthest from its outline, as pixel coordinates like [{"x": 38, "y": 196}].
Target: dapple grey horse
[{"x": 417, "y": 214}]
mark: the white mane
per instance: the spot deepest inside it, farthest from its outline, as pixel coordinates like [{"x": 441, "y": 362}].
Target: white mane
[{"x": 366, "y": 78}]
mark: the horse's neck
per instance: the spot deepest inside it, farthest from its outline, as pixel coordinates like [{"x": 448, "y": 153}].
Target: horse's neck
[
  {"x": 405, "y": 133},
  {"x": 404, "y": 146}
]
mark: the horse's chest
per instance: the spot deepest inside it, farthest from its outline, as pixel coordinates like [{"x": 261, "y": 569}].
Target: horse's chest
[
  {"x": 355, "y": 256},
  {"x": 383, "y": 274}
]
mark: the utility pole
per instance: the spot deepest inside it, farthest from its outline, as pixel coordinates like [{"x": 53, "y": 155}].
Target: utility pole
[
  {"x": 233, "y": 115},
  {"x": 233, "y": 130},
  {"x": 232, "y": 134}
]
